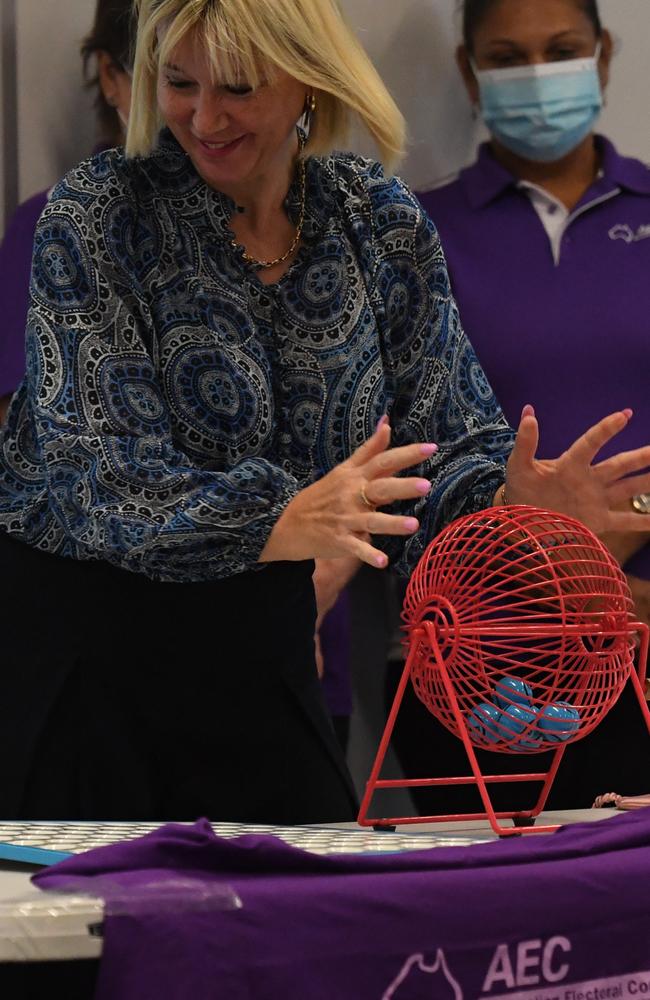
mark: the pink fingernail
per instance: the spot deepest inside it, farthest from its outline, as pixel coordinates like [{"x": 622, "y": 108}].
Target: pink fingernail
[
  {"x": 411, "y": 523},
  {"x": 423, "y": 486},
  {"x": 382, "y": 420},
  {"x": 528, "y": 411},
  {"x": 628, "y": 413},
  {"x": 429, "y": 449},
  {"x": 380, "y": 561}
]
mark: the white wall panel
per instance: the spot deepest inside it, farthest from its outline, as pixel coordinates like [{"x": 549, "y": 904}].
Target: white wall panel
[
  {"x": 8, "y": 153},
  {"x": 56, "y": 124}
]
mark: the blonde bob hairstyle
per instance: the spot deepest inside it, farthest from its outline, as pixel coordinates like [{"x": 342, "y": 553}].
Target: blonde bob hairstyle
[{"x": 247, "y": 40}]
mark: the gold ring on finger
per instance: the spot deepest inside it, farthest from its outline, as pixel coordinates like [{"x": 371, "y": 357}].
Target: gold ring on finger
[{"x": 365, "y": 500}]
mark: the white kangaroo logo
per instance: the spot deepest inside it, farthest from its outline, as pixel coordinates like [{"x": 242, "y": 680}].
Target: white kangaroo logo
[
  {"x": 418, "y": 962},
  {"x": 624, "y": 232}
]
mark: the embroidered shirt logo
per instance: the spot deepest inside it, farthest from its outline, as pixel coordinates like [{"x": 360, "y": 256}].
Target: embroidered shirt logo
[{"x": 624, "y": 232}]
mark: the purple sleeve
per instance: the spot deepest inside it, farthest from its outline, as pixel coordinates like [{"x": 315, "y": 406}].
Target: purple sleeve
[
  {"x": 15, "y": 268},
  {"x": 335, "y": 636}
]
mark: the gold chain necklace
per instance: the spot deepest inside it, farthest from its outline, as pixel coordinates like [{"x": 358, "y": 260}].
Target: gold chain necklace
[{"x": 260, "y": 264}]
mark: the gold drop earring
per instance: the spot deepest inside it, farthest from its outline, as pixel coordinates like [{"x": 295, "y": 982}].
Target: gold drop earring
[{"x": 310, "y": 110}]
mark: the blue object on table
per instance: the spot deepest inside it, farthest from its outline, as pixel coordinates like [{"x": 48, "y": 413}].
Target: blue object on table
[
  {"x": 482, "y": 722},
  {"x": 511, "y": 690},
  {"x": 513, "y": 721},
  {"x": 559, "y": 721}
]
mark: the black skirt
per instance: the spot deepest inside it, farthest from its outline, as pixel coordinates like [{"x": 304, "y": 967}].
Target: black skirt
[{"x": 128, "y": 699}]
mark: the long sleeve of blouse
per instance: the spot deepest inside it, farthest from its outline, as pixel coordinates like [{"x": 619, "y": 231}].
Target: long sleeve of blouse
[
  {"x": 173, "y": 405},
  {"x": 440, "y": 392}
]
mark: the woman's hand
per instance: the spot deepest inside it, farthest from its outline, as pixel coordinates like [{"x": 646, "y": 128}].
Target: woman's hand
[
  {"x": 336, "y": 516},
  {"x": 572, "y": 484},
  {"x": 330, "y": 577}
]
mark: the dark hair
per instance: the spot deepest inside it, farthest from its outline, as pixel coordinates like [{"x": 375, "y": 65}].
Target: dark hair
[
  {"x": 113, "y": 31},
  {"x": 475, "y": 10}
]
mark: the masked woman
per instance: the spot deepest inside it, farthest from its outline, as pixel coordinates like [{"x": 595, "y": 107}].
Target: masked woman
[{"x": 546, "y": 240}]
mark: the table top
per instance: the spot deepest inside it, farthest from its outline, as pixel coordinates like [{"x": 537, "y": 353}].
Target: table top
[{"x": 40, "y": 926}]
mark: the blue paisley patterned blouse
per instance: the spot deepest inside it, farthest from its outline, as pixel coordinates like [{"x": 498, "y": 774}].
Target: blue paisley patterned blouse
[{"x": 173, "y": 404}]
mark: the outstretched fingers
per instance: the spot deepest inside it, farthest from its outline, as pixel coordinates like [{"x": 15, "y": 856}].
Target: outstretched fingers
[
  {"x": 375, "y": 445},
  {"x": 586, "y": 447},
  {"x": 623, "y": 464},
  {"x": 365, "y": 525},
  {"x": 377, "y": 523},
  {"x": 625, "y": 489},
  {"x": 527, "y": 440},
  {"x": 388, "y": 463}
]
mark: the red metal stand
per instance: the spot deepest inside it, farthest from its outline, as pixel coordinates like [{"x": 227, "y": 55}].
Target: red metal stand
[{"x": 523, "y": 597}]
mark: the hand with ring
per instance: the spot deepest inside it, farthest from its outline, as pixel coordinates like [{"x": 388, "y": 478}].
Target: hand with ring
[
  {"x": 336, "y": 516},
  {"x": 365, "y": 500}
]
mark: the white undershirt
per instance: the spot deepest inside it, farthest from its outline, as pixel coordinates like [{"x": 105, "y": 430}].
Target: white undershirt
[{"x": 553, "y": 214}]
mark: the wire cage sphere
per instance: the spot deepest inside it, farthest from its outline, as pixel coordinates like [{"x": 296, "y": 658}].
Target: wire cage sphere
[{"x": 523, "y": 618}]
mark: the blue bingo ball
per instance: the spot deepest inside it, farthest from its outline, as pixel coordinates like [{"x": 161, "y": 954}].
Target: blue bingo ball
[
  {"x": 512, "y": 689},
  {"x": 513, "y": 721},
  {"x": 559, "y": 721},
  {"x": 481, "y": 723}
]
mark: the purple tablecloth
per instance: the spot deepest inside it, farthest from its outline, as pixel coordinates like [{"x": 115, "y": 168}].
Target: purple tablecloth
[{"x": 565, "y": 917}]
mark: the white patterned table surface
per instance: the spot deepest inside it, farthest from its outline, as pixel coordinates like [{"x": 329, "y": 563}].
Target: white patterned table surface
[{"x": 38, "y": 926}]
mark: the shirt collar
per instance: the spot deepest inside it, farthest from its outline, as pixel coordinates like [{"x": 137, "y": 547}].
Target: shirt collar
[
  {"x": 486, "y": 179},
  {"x": 624, "y": 171}
]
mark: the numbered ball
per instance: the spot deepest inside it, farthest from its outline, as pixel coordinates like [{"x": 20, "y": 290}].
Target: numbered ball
[
  {"x": 559, "y": 721},
  {"x": 512, "y": 722},
  {"x": 511, "y": 690},
  {"x": 482, "y": 723}
]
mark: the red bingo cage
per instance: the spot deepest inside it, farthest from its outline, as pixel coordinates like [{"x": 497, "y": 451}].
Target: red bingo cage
[{"x": 521, "y": 635}]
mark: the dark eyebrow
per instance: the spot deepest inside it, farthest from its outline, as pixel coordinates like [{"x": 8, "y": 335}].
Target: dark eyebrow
[
  {"x": 554, "y": 38},
  {"x": 571, "y": 32}
]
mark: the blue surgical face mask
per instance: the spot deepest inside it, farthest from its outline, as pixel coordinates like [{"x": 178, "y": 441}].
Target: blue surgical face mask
[{"x": 541, "y": 112}]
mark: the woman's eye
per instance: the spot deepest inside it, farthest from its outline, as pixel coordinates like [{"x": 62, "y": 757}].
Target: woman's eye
[
  {"x": 178, "y": 84},
  {"x": 240, "y": 91},
  {"x": 503, "y": 61},
  {"x": 559, "y": 55}
]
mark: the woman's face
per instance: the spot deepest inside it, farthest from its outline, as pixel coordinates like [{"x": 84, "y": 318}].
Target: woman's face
[
  {"x": 235, "y": 137},
  {"x": 525, "y": 32}
]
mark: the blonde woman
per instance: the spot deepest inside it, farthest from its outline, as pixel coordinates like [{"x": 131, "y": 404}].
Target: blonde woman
[{"x": 222, "y": 318}]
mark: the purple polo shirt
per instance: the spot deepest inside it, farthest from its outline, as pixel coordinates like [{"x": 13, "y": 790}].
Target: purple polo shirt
[
  {"x": 335, "y": 637},
  {"x": 15, "y": 269},
  {"x": 572, "y": 338}
]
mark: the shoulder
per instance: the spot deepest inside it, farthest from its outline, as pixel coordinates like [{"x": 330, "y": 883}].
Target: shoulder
[
  {"x": 109, "y": 178},
  {"x": 442, "y": 194},
  {"x": 364, "y": 190}
]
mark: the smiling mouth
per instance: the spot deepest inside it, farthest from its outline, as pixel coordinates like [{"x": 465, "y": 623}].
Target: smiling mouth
[{"x": 215, "y": 147}]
